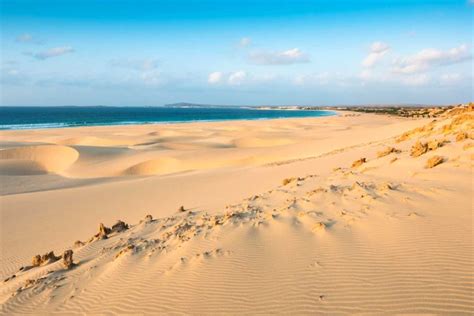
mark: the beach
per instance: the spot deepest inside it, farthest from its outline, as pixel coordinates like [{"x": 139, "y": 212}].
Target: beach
[{"x": 352, "y": 213}]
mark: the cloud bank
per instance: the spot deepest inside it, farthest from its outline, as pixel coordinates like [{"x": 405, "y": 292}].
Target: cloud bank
[
  {"x": 377, "y": 51},
  {"x": 428, "y": 58}
]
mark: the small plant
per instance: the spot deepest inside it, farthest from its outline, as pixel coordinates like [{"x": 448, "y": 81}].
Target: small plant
[
  {"x": 359, "y": 162},
  {"x": 434, "y": 161}
]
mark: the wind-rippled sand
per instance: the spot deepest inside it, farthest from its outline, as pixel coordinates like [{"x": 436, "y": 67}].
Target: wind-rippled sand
[{"x": 348, "y": 214}]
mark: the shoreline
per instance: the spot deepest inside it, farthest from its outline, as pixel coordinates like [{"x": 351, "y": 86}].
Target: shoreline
[
  {"x": 58, "y": 125},
  {"x": 159, "y": 124}
]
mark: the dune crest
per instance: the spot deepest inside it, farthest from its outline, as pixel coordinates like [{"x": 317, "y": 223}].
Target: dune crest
[
  {"x": 47, "y": 158},
  {"x": 154, "y": 166}
]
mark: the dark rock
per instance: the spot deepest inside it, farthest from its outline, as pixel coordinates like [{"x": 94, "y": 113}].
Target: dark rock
[
  {"x": 103, "y": 232},
  {"x": 119, "y": 227},
  {"x": 67, "y": 259},
  {"x": 148, "y": 218}
]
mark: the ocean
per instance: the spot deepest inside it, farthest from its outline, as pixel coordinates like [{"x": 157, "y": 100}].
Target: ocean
[{"x": 35, "y": 117}]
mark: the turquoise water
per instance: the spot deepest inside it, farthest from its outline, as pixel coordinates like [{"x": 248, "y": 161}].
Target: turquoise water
[{"x": 33, "y": 117}]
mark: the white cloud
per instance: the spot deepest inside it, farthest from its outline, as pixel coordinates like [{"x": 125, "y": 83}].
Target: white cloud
[
  {"x": 428, "y": 58},
  {"x": 377, "y": 51},
  {"x": 215, "y": 77},
  {"x": 53, "y": 52},
  {"x": 379, "y": 47},
  {"x": 232, "y": 78},
  {"x": 291, "y": 56},
  {"x": 237, "y": 78},
  {"x": 245, "y": 42},
  {"x": 240, "y": 77}
]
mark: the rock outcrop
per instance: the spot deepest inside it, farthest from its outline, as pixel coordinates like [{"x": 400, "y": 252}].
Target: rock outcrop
[
  {"x": 67, "y": 259},
  {"x": 103, "y": 232},
  {"x": 47, "y": 258},
  {"x": 119, "y": 227}
]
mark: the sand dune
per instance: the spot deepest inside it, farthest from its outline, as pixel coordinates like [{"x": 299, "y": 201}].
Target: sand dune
[
  {"x": 46, "y": 158},
  {"x": 154, "y": 166},
  {"x": 315, "y": 234}
]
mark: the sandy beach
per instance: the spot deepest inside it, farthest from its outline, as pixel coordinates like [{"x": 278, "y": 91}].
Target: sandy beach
[{"x": 354, "y": 213}]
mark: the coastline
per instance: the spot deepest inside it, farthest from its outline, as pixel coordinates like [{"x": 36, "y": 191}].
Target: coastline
[{"x": 149, "y": 115}]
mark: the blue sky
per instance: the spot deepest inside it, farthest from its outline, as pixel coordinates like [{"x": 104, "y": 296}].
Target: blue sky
[{"x": 123, "y": 52}]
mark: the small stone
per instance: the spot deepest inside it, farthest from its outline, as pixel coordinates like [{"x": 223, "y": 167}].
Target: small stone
[
  {"x": 67, "y": 259},
  {"x": 29, "y": 282},
  {"x": 9, "y": 278},
  {"x": 130, "y": 247},
  {"x": 103, "y": 231},
  {"x": 148, "y": 218},
  {"x": 36, "y": 262},
  {"x": 119, "y": 227},
  {"x": 78, "y": 243},
  {"x": 49, "y": 258}
]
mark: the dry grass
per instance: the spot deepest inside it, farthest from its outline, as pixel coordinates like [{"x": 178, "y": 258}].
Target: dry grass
[
  {"x": 387, "y": 151},
  {"x": 434, "y": 161},
  {"x": 359, "y": 162},
  {"x": 418, "y": 149},
  {"x": 288, "y": 181}
]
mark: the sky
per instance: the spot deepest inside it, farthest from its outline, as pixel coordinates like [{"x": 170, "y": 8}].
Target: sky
[{"x": 143, "y": 52}]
